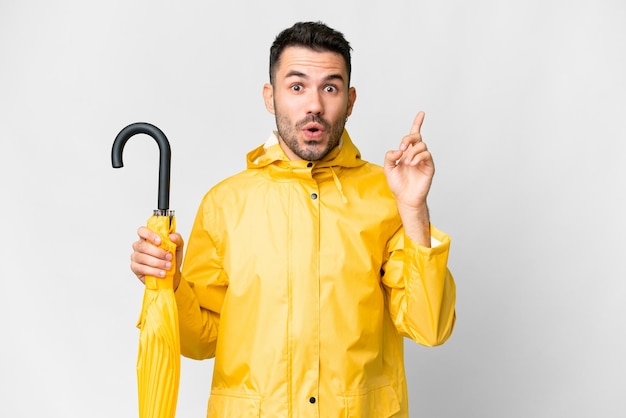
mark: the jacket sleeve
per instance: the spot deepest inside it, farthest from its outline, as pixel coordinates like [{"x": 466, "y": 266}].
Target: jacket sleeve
[
  {"x": 201, "y": 291},
  {"x": 420, "y": 289}
]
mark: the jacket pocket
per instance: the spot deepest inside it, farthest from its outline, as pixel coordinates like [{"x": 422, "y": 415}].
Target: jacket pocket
[
  {"x": 241, "y": 405},
  {"x": 376, "y": 403}
]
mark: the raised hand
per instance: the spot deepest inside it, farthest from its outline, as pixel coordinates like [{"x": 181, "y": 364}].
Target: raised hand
[{"x": 410, "y": 170}]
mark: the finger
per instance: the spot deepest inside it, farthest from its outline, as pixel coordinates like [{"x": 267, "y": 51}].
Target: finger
[
  {"x": 141, "y": 271},
  {"x": 413, "y": 150},
  {"x": 149, "y": 235},
  {"x": 422, "y": 157},
  {"x": 141, "y": 260},
  {"x": 415, "y": 135},
  {"x": 417, "y": 122},
  {"x": 145, "y": 247}
]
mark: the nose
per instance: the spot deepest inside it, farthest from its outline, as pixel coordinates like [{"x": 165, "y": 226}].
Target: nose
[{"x": 315, "y": 104}]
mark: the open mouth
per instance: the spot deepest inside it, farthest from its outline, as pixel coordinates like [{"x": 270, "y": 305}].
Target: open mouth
[
  {"x": 313, "y": 133},
  {"x": 313, "y": 128}
]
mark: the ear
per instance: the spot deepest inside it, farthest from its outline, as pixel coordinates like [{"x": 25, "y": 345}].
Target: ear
[
  {"x": 268, "y": 97},
  {"x": 351, "y": 100}
]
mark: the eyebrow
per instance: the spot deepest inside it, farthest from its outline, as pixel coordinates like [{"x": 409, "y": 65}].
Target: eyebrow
[{"x": 331, "y": 77}]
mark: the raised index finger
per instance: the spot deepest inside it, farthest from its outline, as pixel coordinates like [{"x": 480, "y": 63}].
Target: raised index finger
[{"x": 417, "y": 122}]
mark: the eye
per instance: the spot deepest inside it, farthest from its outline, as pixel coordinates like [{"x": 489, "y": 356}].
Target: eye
[
  {"x": 330, "y": 89},
  {"x": 296, "y": 88}
]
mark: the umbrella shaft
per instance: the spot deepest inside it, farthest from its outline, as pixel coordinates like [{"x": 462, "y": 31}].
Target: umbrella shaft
[{"x": 163, "y": 212}]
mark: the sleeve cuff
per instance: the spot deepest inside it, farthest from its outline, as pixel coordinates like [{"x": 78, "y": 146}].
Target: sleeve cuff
[{"x": 439, "y": 241}]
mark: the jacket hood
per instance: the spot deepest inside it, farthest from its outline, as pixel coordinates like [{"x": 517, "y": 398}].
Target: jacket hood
[{"x": 344, "y": 155}]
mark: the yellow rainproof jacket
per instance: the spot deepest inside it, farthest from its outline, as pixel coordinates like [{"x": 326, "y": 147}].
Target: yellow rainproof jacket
[{"x": 300, "y": 281}]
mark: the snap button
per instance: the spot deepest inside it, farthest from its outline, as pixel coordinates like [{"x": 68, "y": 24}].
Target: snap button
[
  {"x": 312, "y": 399},
  {"x": 313, "y": 196}
]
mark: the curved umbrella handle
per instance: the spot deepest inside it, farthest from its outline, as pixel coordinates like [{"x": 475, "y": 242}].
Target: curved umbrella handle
[{"x": 165, "y": 155}]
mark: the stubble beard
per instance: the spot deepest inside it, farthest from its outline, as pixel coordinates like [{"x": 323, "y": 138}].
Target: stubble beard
[{"x": 289, "y": 134}]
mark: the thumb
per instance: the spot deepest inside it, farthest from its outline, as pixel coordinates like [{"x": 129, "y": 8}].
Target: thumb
[
  {"x": 391, "y": 158},
  {"x": 177, "y": 239}
]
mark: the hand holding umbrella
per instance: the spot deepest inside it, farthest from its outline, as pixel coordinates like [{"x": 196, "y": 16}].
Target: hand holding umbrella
[{"x": 158, "y": 361}]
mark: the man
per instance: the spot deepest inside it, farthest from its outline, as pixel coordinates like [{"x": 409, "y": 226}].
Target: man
[{"x": 304, "y": 272}]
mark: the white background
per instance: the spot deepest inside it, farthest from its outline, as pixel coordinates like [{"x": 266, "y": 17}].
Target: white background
[{"x": 525, "y": 104}]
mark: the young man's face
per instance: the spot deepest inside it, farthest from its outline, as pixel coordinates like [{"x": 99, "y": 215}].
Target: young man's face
[{"x": 311, "y": 100}]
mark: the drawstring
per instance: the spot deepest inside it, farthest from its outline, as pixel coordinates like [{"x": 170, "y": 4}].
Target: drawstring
[{"x": 338, "y": 184}]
